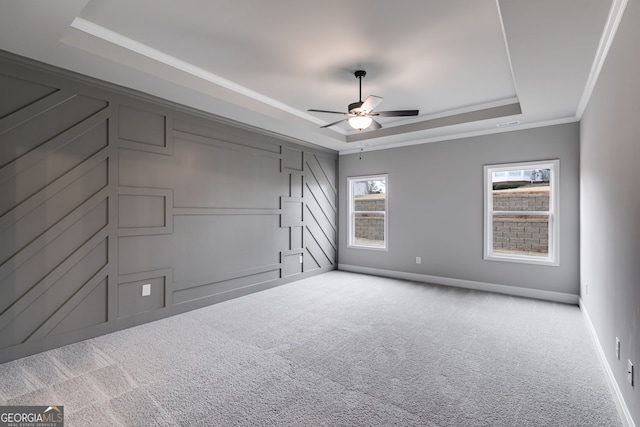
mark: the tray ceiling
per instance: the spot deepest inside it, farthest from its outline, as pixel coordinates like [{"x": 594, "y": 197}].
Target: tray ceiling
[{"x": 469, "y": 67}]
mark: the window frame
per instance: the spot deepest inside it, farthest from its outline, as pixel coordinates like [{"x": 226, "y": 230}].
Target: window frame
[
  {"x": 553, "y": 256},
  {"x": 351, "y": 212}
]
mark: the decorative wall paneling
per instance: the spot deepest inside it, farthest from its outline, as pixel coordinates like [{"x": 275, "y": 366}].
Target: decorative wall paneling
[
  {"x": 103, "y": 192},
  {"x": 56, "y": 176},
  {"x": 320, "y": 225}
]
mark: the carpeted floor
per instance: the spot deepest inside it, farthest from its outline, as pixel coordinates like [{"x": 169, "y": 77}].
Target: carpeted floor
[{"x": 336, "y": 349}]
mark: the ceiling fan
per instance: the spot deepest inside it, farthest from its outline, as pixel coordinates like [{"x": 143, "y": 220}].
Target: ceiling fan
[{"x": 360, "y": 114}]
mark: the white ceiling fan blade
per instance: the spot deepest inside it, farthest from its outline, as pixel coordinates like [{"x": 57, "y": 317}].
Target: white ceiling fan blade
[
  {"x": 326, "y": 111},
  {"x": 370, "y": 103},
  {"x": 334, "y": 123}
]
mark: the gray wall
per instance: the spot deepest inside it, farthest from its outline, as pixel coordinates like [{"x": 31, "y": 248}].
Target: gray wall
[
  {"x": 610, "y": 205},
  {"x": 436, "y": 207},
  {"x": 102, "y": 192}
]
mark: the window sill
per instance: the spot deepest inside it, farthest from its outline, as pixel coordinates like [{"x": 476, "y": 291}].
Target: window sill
[{"x": 523, "y": 259}]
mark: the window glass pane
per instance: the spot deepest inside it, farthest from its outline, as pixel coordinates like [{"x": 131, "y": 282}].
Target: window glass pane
[
  {"x": 521, "y": 190},
  {"x": 521, "y": 234},
  {"x": 521, "y": 212},
  {"x": 369, "y": 195},
  {"x": 368, "y": 211},
  {"x": 370, "y": 202},
  {"x": 369, "y": 229}
]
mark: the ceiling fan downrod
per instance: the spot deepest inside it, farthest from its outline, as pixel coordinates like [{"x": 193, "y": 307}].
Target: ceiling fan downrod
[{"x": 359, "y": 75}]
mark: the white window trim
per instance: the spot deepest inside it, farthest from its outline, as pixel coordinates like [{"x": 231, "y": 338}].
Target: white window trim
[
  {"x": 351, "y": 212},
  {"x": 553, "y": 258}
]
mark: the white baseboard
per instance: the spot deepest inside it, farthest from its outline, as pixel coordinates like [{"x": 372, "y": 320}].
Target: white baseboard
[
  {"x": 469, "y": 284},
  {"x": 625, "y": 415}
]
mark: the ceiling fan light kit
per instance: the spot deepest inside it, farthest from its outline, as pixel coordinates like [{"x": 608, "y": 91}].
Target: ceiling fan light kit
[
  {"x": 360, "y": 114},
  {"x": 360, "y": 122}
]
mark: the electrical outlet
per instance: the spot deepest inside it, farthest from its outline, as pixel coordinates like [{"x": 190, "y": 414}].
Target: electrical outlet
[
  {"x": 630, "y": 373},
  {"x": 418, "y": 260},
  {"x": 146, "y": 290},
  {"x": 617, "y": 348}
]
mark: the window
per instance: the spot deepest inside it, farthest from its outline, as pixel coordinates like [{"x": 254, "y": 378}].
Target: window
[
  {"x": 368, "y": 211},
  {"x": 521, "y": 212}
]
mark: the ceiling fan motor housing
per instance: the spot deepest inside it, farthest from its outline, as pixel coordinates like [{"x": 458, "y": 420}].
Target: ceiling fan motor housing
[{"x": 355, "y": 107}]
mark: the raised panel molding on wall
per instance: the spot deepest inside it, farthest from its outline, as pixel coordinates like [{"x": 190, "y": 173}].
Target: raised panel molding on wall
[
  {"x": 144, "y": 130},
  {"x": 118, "y": 209},
  {"x": 309, "y": 212},
  {"x": 55, "y": 230},
  {"x": 292, "y": 216},
  {"x": 320, "y": 215},
  {"x": 143, "y": 211}
]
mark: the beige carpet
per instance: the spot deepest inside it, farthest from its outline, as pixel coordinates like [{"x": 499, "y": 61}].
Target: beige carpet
[{"x": 337, "y": 349}]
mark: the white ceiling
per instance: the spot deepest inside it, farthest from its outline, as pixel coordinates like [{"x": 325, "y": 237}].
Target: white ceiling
[{"x": 467, "y": 65}]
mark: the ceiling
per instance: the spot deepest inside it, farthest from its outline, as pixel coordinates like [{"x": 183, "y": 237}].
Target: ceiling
[{"x": 470, "y": 66}]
